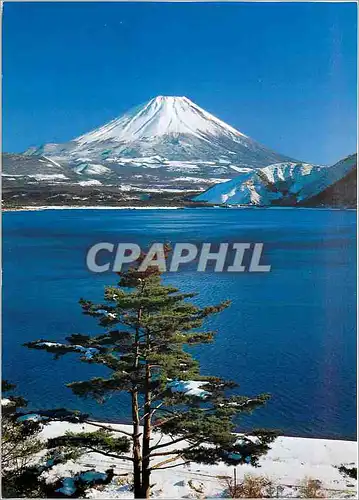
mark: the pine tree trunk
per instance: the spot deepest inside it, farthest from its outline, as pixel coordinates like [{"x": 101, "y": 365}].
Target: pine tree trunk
[
  {"x": 137, "y": 459},
  {"x": 136, "y": 447},
  {"x": 146, "y": 472}
]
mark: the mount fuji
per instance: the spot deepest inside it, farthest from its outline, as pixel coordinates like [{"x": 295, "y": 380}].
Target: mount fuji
[
  {"x": 167, "y": 142},
  {"x": 170, "y": 127}
]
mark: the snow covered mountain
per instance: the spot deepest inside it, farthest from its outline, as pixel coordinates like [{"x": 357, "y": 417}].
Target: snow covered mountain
[
  {"x": 278, "y": 184},
  {"x": 178, "y": 129},
  {"x": 159, "y": 140},
  {"x": 172, "y": 145}
]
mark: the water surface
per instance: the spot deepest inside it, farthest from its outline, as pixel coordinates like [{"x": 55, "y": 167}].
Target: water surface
[{"x": 290, "y": 332}]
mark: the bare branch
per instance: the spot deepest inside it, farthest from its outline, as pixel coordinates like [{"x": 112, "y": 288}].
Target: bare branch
[{"x": 157, "y": 467}]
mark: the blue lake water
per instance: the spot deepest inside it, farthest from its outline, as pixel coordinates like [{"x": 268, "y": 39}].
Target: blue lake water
[{"x": 290, "y": 332}]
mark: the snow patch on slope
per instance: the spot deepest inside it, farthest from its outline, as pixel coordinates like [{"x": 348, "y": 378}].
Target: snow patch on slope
[
  {"x": 47, "y": 177},
  {"x": 90, "y": 182},
  {"x": 91, "y": 169},
  {"x": 52, "y": 161}
]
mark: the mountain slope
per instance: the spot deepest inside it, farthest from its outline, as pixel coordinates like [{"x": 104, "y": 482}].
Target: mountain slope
[
  {"x": 330, "y": 175},
  {"x": 342, "y": 193},
  {"x": 281, "y": 184},
  {"x": 166, "y": 129},
  {"x": 22, "y": 167}
]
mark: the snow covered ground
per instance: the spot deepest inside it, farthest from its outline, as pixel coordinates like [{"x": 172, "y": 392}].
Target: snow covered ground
[{"x": 289, "y": 461}]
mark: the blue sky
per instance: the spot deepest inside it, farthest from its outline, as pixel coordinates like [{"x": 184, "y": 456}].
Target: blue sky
[{"x": 284, "y": 74}]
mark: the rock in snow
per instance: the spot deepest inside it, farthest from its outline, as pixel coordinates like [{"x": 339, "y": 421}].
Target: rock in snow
[{"x": 68, "y": 487}]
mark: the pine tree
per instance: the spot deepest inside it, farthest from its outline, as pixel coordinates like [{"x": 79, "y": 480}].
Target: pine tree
[{"x": 149, "y": 327}]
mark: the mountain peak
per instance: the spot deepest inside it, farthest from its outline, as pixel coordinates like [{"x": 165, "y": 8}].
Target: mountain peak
[
  {"x": 162, "y": 116},
  {"x": 171, "y": 97}
]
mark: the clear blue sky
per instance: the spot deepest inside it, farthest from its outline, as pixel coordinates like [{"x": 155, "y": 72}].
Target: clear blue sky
[{"x": 284, "y": 74}]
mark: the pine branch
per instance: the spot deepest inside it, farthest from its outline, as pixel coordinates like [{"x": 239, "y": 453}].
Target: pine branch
[
  {"x": 111, "y": 429},
  {"x": 163, "y": 422},
  {"x": 164, "y": 445},
  {"x": 160, "y": 439},
  {"x": 107, "y": 454}
]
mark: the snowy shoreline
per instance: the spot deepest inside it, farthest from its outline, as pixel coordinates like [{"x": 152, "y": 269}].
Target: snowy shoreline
[
  {"x": 79, "y": 207},
  {"x": 290, "y": 460}
]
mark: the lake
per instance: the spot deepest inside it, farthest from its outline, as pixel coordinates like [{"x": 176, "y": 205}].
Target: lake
[{"x": 290, "y": 332}]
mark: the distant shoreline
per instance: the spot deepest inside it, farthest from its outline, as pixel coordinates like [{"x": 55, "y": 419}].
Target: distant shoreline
[
  {"x": 152, "y": 207},
  {"x": 85, "y": 207}
]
